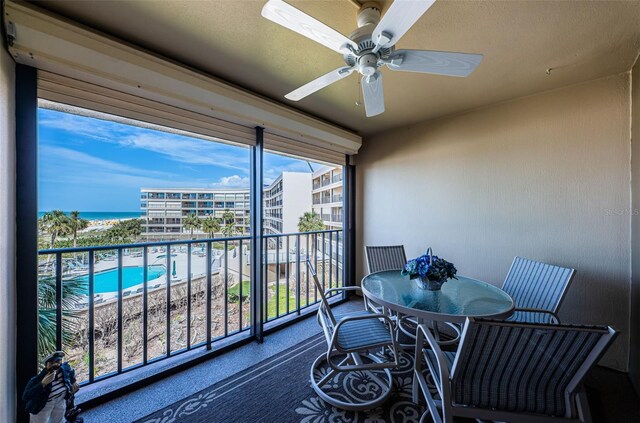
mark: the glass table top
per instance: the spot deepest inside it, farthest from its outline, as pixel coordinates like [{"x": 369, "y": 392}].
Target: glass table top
[{"x": 458, "y": 299}]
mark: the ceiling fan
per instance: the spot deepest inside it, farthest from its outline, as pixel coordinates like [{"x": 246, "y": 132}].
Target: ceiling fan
[{"x": 371, "y": 46}]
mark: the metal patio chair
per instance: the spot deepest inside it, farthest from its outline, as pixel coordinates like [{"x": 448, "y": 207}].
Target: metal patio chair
[
  {"x": 351, "y": 338},
  {"x": 537, "y": 290},
  {"x": 381, "y": 258},
  {"x": 510, "y": 371}
]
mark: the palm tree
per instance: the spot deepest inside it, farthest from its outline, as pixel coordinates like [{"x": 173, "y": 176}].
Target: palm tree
[
  {"x": 124, "y": 231},
  {"x": 55, "y": 223},
  {"x": 73, "y": 291},
  {"x": 211, "y": 225},
  {"x": 229, "y": 229},
  {"x": 228, "y": 217},
  {"x": 133, "y": 228},
  {"x": 311, "y": 222},
  {"x": 76, "y": 224},
  {"x": 191, "y": 222},
  {"x": 116, "y": 234}
]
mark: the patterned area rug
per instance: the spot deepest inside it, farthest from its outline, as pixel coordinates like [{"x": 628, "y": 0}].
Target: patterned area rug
[{"x": 278, "y": 390}]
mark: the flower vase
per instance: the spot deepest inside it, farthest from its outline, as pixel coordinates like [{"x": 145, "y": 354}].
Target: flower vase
[{"x": 425, "y": 283}]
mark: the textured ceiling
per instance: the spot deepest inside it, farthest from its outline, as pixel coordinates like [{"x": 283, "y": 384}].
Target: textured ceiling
[{"x": 520, "y": 40}]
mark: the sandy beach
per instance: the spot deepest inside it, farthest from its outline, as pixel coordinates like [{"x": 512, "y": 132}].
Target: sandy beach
[{"x": 102, "y": 224}]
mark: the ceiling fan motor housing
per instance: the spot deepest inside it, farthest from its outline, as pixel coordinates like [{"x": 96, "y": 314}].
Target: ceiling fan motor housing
[{"x": 363, "y": 58}]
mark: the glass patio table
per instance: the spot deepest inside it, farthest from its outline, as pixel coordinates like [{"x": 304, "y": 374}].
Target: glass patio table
[{"x": 457, "y": 300}]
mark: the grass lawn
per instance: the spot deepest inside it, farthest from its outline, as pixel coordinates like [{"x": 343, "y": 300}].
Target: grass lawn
[
  {"x": 234, "y": 293},
  {"x": 282, "y": 301}
]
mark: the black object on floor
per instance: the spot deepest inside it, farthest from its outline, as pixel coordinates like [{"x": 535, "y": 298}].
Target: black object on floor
[
  {"x": 278, "y": 390},
  {"x": 611, "y": 397}
]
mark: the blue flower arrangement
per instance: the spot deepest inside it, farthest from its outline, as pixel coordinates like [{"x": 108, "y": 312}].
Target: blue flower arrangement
[{"x": 431, "y": 271}]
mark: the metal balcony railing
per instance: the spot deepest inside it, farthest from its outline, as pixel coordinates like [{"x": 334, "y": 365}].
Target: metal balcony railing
[
  {"x": 287, "y": 277},
  {"x": 328, "y": 199},
  {"x": 120, "y": 307}
]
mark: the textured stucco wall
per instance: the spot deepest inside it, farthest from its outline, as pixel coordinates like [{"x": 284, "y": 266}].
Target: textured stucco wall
[
  {"x": 7, "y": 239},
  {"x": 634, "y": 358},
  {"x": 545, "y": 177}
]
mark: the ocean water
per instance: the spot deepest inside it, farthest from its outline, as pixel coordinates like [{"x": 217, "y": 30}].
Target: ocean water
[{"x": 104, "y": 215}]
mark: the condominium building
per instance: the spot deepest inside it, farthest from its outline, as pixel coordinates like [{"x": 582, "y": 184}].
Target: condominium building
[
  {"x": 285, "y": 200},
  {"x": 164, "y": 209},
  {"x": 327, "y": 195}
]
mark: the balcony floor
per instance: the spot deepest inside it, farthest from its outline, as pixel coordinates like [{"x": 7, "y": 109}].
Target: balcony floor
[
  {"x": 160, "y": 394},
  {"x": 611, "y": 395}
]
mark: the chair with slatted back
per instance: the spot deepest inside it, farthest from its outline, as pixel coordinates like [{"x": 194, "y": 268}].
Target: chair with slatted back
[
  {"x": 537, "y": 290},
  {"x": 381, "y": 258},
  {"x": 510, "y": 371},
  {"x": 385, "y": 257},
  {"x": 351, "y": 340}
]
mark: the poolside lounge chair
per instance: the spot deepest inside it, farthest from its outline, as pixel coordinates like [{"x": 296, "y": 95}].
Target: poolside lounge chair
[
  {"x": 537, "y": 290},
  {"x": 350, "y": 339},
  {"x": 510, "y": 371}
]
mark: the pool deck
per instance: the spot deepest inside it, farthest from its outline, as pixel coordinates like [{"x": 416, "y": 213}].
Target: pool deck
[{"x": 179, "y": 261}]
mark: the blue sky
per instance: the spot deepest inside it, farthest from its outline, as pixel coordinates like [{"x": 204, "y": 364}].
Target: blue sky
[{"x": 89, "y": 164}]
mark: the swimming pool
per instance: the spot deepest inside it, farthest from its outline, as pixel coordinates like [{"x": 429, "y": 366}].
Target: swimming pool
[{"x": 107, "y": 281}]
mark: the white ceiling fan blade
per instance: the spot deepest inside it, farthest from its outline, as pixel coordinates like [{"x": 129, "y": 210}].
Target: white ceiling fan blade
[
  {"x": 373, "y": 94},
  {"x": 319, "y": 83},
  {"x": 292, "y": 18},
  {"x": 401, "y": 16},
  {"x": 436, "y": 62}
]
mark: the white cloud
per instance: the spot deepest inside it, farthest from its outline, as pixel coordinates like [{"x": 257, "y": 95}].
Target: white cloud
[
  {"x": 179, "y": 148},
  {"x": 186, "y": 150},
  {"x": 66, "y": 166},
  {"x": 234, "y": 181}
]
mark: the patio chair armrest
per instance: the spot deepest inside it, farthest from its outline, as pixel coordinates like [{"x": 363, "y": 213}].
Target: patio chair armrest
[
  {"x": 338, "y": 289},
  {"x": 343, "y": 288},
  {"x": 423, "y": 332},
  {"x": 554, "y": 317}
]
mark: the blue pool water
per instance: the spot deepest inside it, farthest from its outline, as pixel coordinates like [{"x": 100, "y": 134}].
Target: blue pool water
[{"x": 107, "y": 281}]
